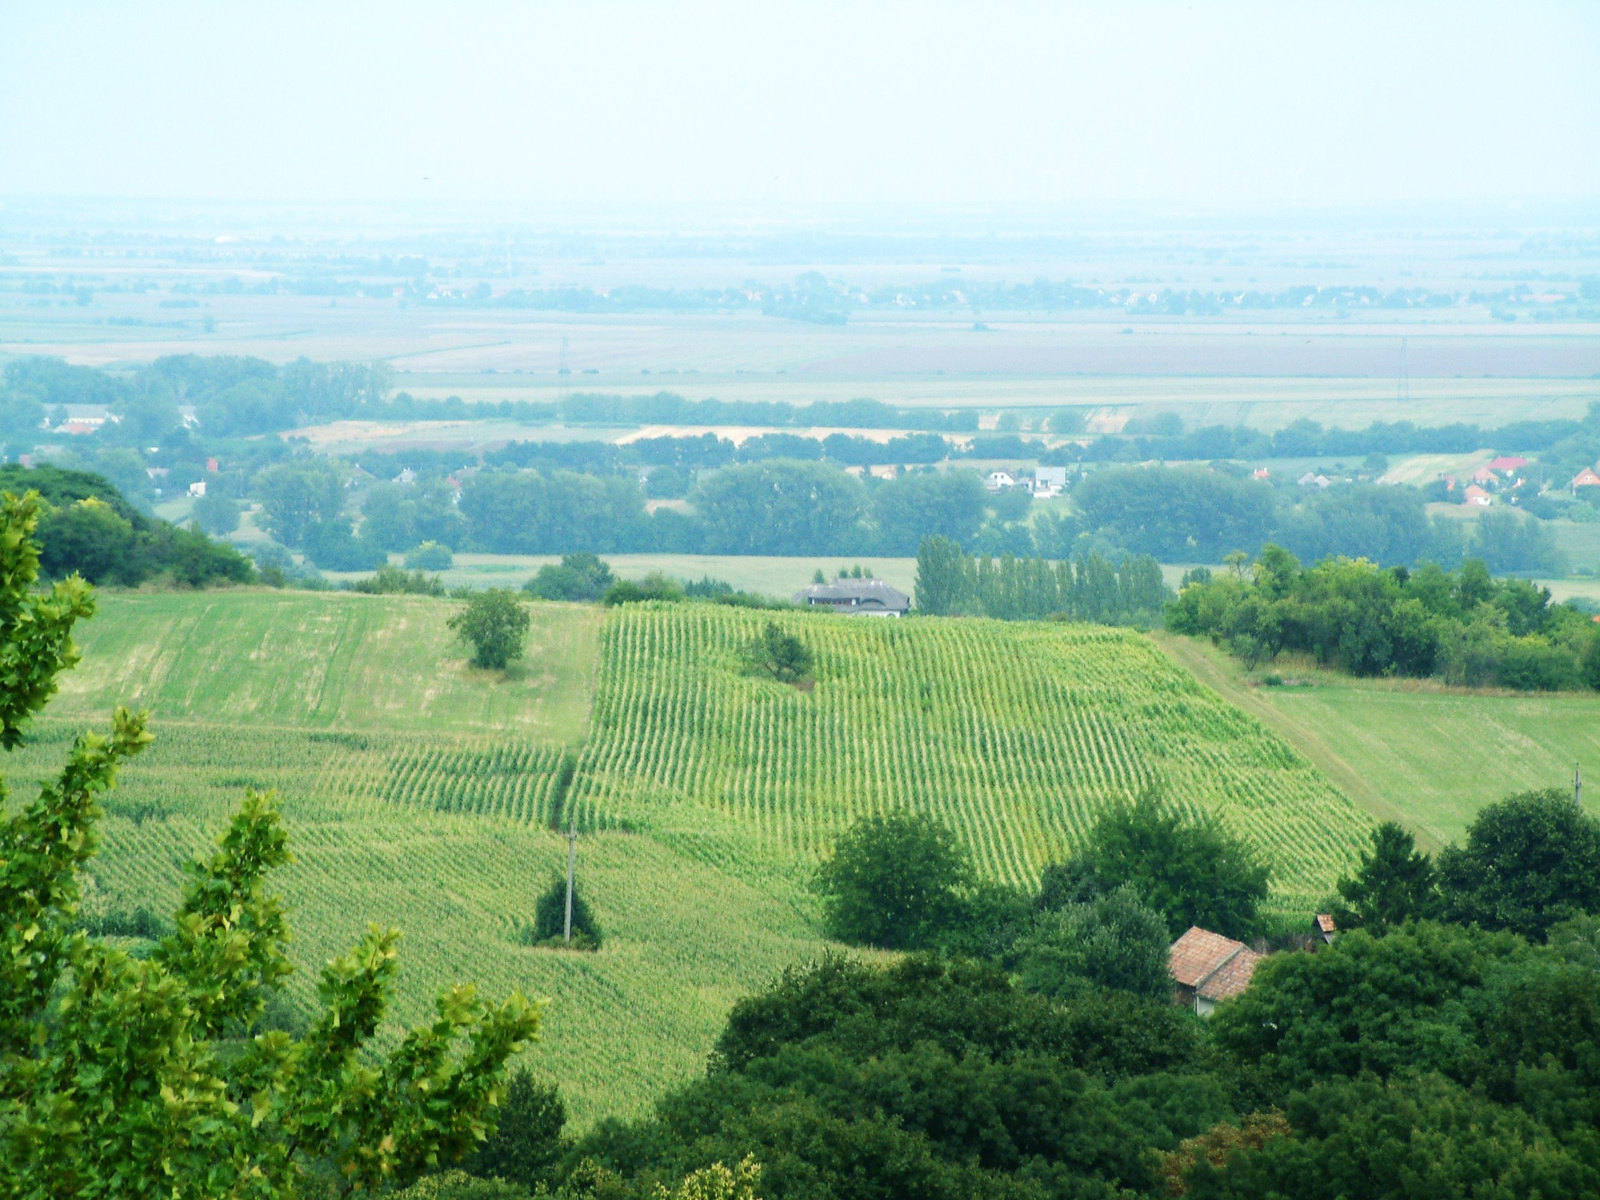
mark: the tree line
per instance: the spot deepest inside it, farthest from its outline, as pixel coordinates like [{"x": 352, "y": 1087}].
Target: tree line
[
  {"x": 950, "y": 583},
  {"x": 1463, "y": 626}
]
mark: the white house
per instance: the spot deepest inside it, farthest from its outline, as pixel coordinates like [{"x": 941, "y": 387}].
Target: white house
[
  {"x": 1049, "y": 481},
  {"x": 999, "y": 481},
  {"x": 197, "y": 488}
]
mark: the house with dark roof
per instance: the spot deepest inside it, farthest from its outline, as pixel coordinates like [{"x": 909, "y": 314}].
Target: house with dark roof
[
  {"x": 857, "y": 597},
  {"x": 1207, "y": 968}
]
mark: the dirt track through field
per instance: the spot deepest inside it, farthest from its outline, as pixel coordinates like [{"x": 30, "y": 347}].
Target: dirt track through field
[{"x": 1207, "y": 668}]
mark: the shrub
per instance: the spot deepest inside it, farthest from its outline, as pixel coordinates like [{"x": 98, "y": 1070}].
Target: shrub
[
  {"x": 550, "y": 916},
  {"x": 1113, "y": 941},
  {"x": 390, "y": 580},
  {"x": 779, "y": 655},
  {"x": 430, "y": 556},
  {"x": 577, "y": 577},
  {"x": 654, "y": 586}
]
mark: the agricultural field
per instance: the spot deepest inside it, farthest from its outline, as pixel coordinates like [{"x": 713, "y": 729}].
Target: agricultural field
[
  {"x": 776, "y": 576},
  {"x": 1414, "y": 750},
  {"x": 420, "y": 793},
  {"x": 1013, "y": 734}
]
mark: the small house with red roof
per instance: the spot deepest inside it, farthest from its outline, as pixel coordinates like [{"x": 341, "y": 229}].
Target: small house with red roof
[
  {"x": 1207, "y": 968},
  {"x": 1507, "y": 463},
  {"x": 1585, "y": 478},
  {"x": 1475, "y": 495}
]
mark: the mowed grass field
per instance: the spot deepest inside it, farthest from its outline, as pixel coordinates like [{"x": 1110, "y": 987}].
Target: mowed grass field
[
  {"x": 421, "y": 793},
  {"x": 1427, "y": 755}
]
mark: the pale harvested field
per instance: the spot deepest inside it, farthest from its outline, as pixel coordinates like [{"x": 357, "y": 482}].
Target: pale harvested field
[{"x": 768, "y": 576}]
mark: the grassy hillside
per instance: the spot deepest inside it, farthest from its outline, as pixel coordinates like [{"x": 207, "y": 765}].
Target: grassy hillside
[
  {"x": 1428, "y": 755},
  {"x": 419, "y": 792},
  {"x": 336, "y": 661}
]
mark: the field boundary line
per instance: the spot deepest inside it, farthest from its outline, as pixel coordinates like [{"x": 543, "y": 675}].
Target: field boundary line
[{"x": 1193, "y": 658}]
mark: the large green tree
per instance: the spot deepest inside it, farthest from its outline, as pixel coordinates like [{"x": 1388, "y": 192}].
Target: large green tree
[
  {"x": 1190, "y": 869},
  {"x": 897, "y": 881},
  {"x": 1531, "y": 860},
  {"x": 1114, "y": 941},
  {"x": 155, "y": 1075},
  {"x": 1394, "y": 882},
  {"x": 496, "y": 625}
]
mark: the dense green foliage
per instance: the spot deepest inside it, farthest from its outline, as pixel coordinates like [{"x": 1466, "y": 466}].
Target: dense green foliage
[
  {"x": 496, "y": 625},
  {"x": 1529, "y": 861},
  {"x": 1190, "y": 870},
  {"x": 949, "y": 582},
  {"x": 898, "y": 882},
  {"x": 1394, "y": 883},
  {"x": 1462, "y": 626},
  {"x": 1113, "y": 940},
  {"x": 576, "y": 577},
  {"x": 1180, "y": 515},
  {"x": 88, "y": 527},
  {"x": 780, "y": 656},
  {"x": 389, "y": 580},
  {"x": 927, "y": 1078},
  {"x": 550, "y": 916},
  {"x": 527, "y": 1140},
  {"x": 155, "y": 1074}
]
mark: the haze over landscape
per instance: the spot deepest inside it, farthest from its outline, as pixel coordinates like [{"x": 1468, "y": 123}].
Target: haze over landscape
[{"x": 969, "y": 600}]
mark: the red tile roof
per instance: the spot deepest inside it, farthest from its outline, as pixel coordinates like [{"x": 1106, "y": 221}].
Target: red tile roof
[{"x": 1216, "y": 967}]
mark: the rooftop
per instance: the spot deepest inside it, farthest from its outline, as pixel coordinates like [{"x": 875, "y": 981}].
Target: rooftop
[
  {"x": 854, "y": 593},
  {"x": 1216, "y": 967}
]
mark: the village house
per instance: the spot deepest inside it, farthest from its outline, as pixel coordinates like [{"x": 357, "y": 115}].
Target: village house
[
  {"x": 1477, "y": 497},
  {"x": 1048, "y": 482},
  {"x": 1585, "y": 478},
  {"x": 1000, "y": 481},
  {"x": 1508, "y": 464},
  {"x": 1207, "y": 968},
  {"x": 856, "y": 597}
]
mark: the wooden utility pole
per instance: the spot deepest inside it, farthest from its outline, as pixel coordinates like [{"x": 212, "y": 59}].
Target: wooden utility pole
[
  {"x": 572, "y": 864},
  {"x": 1577, "y": 784}
]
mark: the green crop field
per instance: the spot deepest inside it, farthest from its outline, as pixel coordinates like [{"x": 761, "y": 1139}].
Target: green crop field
[
  {"x": 1014, "y": 734},
  {"x": 421, "y": 793},
  {"x": 1428, "y": 755}
]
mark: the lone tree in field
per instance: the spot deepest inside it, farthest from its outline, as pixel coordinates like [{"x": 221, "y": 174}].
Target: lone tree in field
[
  {"x": 496, "y": 626},
  {"x": 897, "y": 882},
  {"x": 779, "y": 655},
  {"x": 124, "y": 1076}
]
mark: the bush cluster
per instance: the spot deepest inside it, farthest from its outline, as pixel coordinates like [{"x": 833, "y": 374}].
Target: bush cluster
[{"x": 1462, "y": 626}]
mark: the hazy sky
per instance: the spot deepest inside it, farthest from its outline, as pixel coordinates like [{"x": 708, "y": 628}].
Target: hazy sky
[{"x": 1208, "y": 103}]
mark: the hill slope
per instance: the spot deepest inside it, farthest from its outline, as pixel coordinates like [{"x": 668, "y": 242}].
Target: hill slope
[
  {"x": 419, "y": 792},
  {"x": 1015, "y": 734},
  {"x": 1428, "y": 755}
]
